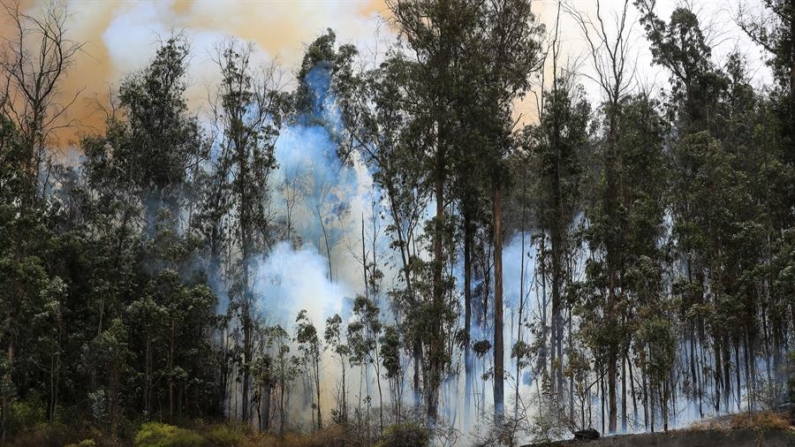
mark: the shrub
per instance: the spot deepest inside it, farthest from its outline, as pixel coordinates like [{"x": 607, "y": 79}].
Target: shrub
[
  {"x": 154, "y": 434},
  {"x": 406, "y": 435},
  {"x": 224, "y": 436},
  {"x": 26, "y": 414}
]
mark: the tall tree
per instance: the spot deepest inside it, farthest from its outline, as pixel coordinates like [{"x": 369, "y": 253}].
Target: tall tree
[
  {"x": 434, "y": 31},
  {"x": 609, "y": 44},
  {"x": 556, "y": 145},
  {"x": 701, "y": 211},
  {"x": 249, "y": 109},
  {"x": 364, "y": 335},
  {"x": 386, "y": 140},
  {"x": 36, "y": 54},
  {"x": 510, "y": 55},
  {"x": 157, "y": 138},
  {"x": 775, "y": 32},
  {"x": 309, "y": 345},
  {"x": 333, "y": 337}
]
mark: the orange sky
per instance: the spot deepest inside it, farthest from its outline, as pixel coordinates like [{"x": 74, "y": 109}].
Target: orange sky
[{"x": 120, "y": 37}]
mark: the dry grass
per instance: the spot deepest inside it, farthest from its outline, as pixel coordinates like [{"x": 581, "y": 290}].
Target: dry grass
[
  {"x": 330, "y": 437},
  {"x": 759, "y": 420}
]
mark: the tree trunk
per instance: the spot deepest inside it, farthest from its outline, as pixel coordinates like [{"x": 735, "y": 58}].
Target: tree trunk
[
  {"x": 7, "y": 383},
  {"x": 664, "y": 404},
  {"x": 171, "y": 374},
  {"x": 364, "y": 262},
  {"x": 148, "y": 375},
  {"x": 436, "y": 341},
  {"x": 717, "y": 375},
  {"x": 380, "y": 397},
  {"x": 521, "y": 298},
  {"x": 468, "y": 386},
  {"x": 646, "y": 403},
  {"x": 634, "y": 395},
  {"x": 266, "y": 407},
  {"x": 499, "y": 351},
  {"x": 611, "y": 390},
  {"x": 624, "y": 394},
  {"x": 317, "y": 390}
]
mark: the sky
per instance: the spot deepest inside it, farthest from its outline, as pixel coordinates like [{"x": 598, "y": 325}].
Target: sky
[{"x": 120, "y": 36}]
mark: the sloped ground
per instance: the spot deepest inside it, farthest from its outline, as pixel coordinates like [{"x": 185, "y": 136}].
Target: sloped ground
[
  {"x": 744, "y": 430},
  {"x": 692, "y": 438}
]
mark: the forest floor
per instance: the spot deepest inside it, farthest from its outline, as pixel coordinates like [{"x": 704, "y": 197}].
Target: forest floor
[
  {"x": 764, "y": 428},
  {"x": 740, "y": 430}
]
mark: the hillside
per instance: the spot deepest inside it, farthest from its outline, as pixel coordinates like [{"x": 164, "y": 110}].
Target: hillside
[{"x": 693, "y": 438}]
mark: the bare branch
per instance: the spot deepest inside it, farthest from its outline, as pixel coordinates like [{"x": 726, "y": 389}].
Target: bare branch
[{"x": 609, "y": 53}]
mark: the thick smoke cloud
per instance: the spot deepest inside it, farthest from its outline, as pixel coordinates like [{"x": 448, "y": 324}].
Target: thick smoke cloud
[{"x": 289, "y": 280}]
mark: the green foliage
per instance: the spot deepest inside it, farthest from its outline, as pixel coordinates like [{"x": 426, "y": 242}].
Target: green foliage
[
  {"x": 390, "y": 352},
  {"x": 155, "y": 434},
  {"x": 364, "y": 332},
  {"x": 26, "y": 414}
]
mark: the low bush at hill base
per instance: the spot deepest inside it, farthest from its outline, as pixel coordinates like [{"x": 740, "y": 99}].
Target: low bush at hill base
[{"x": 155, "y": 434}]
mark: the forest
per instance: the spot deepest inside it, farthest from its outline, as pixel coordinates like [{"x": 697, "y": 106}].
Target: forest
[{"x": 383, "y": 250}]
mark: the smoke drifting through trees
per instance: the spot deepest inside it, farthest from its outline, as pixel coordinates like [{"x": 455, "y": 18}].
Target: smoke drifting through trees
[{"x": 332, "y": 253}]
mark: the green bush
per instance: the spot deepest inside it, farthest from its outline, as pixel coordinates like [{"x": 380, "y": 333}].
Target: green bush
[
  {"x": 154, "y": 434},
  {"x": 406, "y": 435},
  {"x": 224, "y": 436},
  {"x": 26, "y": 414}
]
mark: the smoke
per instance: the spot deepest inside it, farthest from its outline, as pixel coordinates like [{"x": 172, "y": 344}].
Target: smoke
[
  {"x": 515, "y": 278},
  {"x": 290, "y": 280},
  {"x": 120, "y": 37},
  {"x": 320, "y": 202}
]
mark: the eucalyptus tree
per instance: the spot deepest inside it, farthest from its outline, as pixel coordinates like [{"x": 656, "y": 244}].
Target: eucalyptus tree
[
  {"x": 501, "y": 65},
  {"x": 702, "y": 217},
  {"x": 609, "y": 40},
  {"x": 390, "y": 358},
  {"x": 172, "y": 320},
  {"x": 249, "y": 109},
  {"x": 364, "y": 335},
  {"x": 774, "y": 31},
  {"x": 325, "y": 100},
  {"x": 35, "y": 56},
  {"x": 644, "y": 176},
  {"x": 333, "y": 337},
  {"x": 309, "y": 344},
  {"x": 386, "y": 140},
  {"x": 433, "y": 31},
  {"x": 493, "y": 43},
  {"x": 556, "y": 146},
  {"x": 285, "y": 368},
  {"x": 137, "y": 174},
  {"x": 158, "y": 138}
]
